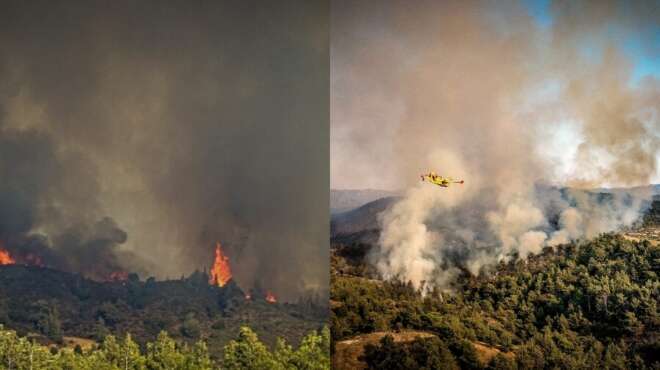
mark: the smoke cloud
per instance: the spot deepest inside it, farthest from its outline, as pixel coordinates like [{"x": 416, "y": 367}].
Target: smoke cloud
[
  {"x": 479, "y": 91},
  {"x": 134, "y": 135}
]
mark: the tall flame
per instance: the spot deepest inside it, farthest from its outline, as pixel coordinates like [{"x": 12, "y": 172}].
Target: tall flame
[
  {"x": 270, "y": 297},
  {"x": 5, "y": 258},
  {"x": 220, "y": 271}
]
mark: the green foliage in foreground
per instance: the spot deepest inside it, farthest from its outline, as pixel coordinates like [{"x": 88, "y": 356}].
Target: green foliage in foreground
[
  {"x": 581, "y": 306},
  {"x": 245, "y": 352}
]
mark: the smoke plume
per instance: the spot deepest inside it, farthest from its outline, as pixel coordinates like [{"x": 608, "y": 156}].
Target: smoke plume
[
  {"x": 136, "y": 135},
  {"x": 479, "y": 91}
]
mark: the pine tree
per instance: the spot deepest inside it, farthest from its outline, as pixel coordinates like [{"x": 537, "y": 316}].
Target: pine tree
[
  {"x": 247, "y": 352},
  {"x": 163, "y": 354}
]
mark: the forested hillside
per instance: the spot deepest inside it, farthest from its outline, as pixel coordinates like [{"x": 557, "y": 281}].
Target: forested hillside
[
  {"x": 592, "y": 304},
  {"x": 51, "y": 307}
]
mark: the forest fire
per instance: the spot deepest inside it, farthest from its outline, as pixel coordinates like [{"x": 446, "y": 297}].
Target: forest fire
[
  {"x": 5, "y": 258},
  {"x": 29, "y": 259},
  {"x": 34, "y": 260},
  {"x": 270, "y": 298},
  {"x": 220, "y": 271},
  {"x": 118, "y": 276}
]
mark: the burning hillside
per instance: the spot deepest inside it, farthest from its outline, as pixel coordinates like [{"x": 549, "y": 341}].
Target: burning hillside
[
  {"x": 10, "y": 258},
  {"x": 144, "y": 308},
  {"x": 5, "y": 258},
  {"x": 118, "y": 276},
  {"x": 39, "y": 255},
  {"x": 219, "y": 275},
  {"x": 118, "y": 155}
]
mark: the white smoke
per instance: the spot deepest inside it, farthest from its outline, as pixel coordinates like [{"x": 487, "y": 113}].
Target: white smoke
[{"x": 432, "y": 233}]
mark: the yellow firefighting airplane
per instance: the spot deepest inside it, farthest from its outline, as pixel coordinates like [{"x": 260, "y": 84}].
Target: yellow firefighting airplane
[{"x": 439, "y": 180}]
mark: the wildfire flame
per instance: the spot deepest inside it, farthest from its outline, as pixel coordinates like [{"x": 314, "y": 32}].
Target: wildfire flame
[
  {"x": 33, "y": 259},
  {"x": 118, "y": 276},
  {"x": 27, "y": 259},
  {"x": 5, "y": 258},
  {"x": 220, "y": 271},
  {"x": 270, "y": 297}
]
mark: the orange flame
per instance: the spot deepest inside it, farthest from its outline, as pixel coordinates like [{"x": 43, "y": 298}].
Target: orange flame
[
  {"x": 220, "y": 271},
  {"x": 270, "y": 297},
  {"x": 5, "y": 258}
]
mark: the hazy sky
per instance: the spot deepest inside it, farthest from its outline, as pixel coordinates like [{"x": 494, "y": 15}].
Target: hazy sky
[{"x": 378, "y": 49}]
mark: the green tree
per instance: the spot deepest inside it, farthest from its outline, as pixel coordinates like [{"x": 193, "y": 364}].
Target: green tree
[
  {"x": 247, "y": 352},
  {"x": 198, "y": 358},
  {"x": 131, "y": 358},
  {"x": 421, "y": 353},
  {"x": 313, "y": 352},
  {"x": 163, "y": 354}
]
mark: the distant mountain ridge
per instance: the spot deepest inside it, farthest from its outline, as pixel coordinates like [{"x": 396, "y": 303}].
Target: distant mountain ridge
[
  {"x": 348, "y": 199},
  {"x": 360, "y": 224}
]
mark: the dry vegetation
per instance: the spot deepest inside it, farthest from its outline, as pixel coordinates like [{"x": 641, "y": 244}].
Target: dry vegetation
[{"x": 348, "y": 352}]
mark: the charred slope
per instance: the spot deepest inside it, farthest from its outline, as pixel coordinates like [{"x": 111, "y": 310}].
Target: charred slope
[{"x": 52, "y": 303}]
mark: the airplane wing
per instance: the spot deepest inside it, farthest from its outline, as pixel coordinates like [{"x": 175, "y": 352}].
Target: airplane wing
[{"x": 440, "y": 181}]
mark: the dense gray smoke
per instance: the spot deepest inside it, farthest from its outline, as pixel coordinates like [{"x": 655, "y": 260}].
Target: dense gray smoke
[
  {"x": 134, "y": 135},
  {"x": 478, "y": 91}
]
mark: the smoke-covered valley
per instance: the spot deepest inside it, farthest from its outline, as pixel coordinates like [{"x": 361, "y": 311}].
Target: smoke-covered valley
[{"x": 528, "y": 115}]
